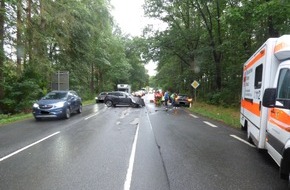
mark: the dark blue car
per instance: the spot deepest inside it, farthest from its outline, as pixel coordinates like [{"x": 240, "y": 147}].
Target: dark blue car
[{"x": 57, "y": 104}]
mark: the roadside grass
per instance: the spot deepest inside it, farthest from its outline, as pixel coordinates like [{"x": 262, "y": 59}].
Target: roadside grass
[
  {"x": 7, "y": 118},
  {"x": 229, "y": 116}
]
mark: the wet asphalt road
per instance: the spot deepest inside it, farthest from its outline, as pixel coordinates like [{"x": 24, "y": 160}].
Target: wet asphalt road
[{"x": 126, "y": 148}]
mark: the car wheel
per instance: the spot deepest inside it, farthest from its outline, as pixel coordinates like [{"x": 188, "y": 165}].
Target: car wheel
[
  {"x": 134, "y": 105},
  {"x": 67, "y": 113},
  {"x": 37, "y": 118},
  {"x": 109, "y": 103},
  {"x": 80, "y": 109}
]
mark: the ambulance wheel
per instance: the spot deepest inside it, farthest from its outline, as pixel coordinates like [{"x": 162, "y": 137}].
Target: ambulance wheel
[
  {"x": 249, "y": 138},
  {"x": 285, "y": 165},
  {"x": 285, "y": 176},
  {"x": 245, "y": 126},
  {"x": 289, "y": 181}
]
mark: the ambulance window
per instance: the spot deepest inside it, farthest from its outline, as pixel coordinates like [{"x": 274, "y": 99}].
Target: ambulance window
[
  {"x": 258, "y": 76},
  {"x": 284, "y": 84}
]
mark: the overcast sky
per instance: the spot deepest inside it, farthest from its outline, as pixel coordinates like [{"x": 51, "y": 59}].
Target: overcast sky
[{"x": 129, "y": 15}]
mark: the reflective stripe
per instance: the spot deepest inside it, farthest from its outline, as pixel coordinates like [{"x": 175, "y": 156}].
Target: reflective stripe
[{"x": 251, "y": 106}]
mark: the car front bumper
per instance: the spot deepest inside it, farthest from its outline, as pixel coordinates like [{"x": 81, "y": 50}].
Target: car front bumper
[
  {"x": 182, "y": 103},
  {"x": 51, "y": 113}
]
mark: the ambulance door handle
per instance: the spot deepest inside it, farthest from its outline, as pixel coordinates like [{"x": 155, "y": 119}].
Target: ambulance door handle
[{"x": 260, "y": 106}]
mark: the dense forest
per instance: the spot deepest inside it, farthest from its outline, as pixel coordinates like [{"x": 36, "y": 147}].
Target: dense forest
[
  {"x": 209, "y": 40},
  {"x": 205, "y": 40}
]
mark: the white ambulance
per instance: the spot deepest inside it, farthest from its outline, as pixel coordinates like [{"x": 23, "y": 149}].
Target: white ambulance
[{"x": 265, "y": 103}]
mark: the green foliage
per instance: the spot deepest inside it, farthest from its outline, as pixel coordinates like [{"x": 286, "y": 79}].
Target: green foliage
[
  {"x": 66, "y": 35},
  {"x": 20, "y": 96},
  {"x": 209, "y": 41},
  {"x": 229, "y": 116},
  {"x": 223, "y": 98}
]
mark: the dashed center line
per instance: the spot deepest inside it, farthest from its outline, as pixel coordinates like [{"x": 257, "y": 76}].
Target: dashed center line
[
  {"x": 234, "y": 136},
  {"x": 127, "y": 183},
  {"x": 193, "y": 116},
  {"x": 210, "y": 124},
  {"x": 242, "y": 140},
  {"x": 91, "y": 116}
]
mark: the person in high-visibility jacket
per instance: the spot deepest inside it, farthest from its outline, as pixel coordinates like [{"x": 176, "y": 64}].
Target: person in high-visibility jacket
[{"x": 157, "y": 98}]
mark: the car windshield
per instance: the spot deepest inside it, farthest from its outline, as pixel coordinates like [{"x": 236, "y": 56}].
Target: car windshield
[{"x": 55, "y": 95}]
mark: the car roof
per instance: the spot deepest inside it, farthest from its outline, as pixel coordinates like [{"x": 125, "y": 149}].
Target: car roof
[
  {"x": 62, "y": 91},
  {"x": 122, "y": 92}
]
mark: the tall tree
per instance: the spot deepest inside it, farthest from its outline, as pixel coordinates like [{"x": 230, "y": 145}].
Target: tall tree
[
  {"x": 2, "y": 55},
  {"x": 19, "y": 44}
]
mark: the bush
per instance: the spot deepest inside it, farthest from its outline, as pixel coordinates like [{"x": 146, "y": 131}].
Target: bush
[
  {"x": 19, "y": 96},
  {"x": 225, "y": 98}
]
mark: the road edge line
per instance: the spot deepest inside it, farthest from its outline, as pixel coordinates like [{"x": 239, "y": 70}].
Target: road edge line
[{"x": 28, "y": 146}]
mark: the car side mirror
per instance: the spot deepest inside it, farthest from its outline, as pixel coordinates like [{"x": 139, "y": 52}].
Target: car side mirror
[{"x": 269, "y": 98}]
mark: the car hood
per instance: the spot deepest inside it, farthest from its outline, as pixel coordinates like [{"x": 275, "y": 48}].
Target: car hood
[
  {"x": 49, "y": 101},
  {"x": 139, "y": 101}
]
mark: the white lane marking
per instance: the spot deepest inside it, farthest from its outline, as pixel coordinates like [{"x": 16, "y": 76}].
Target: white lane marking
[
  {"x": 135, "y": 121},
  {"x": 193, "y": 115},
  {"x": 28, "y": 146},
  {"x": 210, "y": 124},
  {"x": 92, "y": 116},
  {"x": 150, "y": 122},
  {"x": 242, "y": 140},
  {"x": 149, "y": 119},
  {"x": 127, "y": 183},
  {"x": 97, "y": 113},
  {"x": 125, "y": 113}
]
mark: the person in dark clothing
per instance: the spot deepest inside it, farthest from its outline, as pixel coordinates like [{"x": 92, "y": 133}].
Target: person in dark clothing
[{"x": 166, "y": 98}]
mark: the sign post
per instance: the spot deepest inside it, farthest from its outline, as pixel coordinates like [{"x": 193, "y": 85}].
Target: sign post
[{"x": 195, "y": 84}]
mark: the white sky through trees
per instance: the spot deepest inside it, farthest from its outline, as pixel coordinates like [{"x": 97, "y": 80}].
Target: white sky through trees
[{"x": 129, "y": 15}]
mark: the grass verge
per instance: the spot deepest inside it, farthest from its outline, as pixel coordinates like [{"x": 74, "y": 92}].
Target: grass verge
[
  {"x": 229, "y": 116},
  {"x": 6, "y": 119}
]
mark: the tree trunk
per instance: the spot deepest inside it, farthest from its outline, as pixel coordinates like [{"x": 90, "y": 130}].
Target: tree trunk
[
  {"x": 19, "y": 39},
  {"x": 92, "y": 86},
  {"x": 29, "y": 29},
  {"x": 217, "y": 53},
  {"x": 2, "y": 55},
  {"x": 272, "y": 31}
]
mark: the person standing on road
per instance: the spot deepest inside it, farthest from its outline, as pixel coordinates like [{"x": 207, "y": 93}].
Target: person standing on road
[
  {"x": 157, "y": 98},
  {"x": 172, "y": 97},
  {"x": 166, "y": 98}
]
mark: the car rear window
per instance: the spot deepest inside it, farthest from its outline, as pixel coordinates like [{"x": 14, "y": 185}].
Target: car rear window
[{"x": 56, "y": 95}]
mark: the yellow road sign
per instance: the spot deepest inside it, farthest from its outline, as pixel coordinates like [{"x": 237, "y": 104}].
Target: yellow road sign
[{"x": 195, "y": 84}]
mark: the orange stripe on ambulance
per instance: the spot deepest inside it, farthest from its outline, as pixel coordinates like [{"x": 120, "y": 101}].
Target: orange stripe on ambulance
[{"x": 265, "y": 103}]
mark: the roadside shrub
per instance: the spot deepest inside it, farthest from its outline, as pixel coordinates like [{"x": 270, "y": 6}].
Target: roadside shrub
[
  {"x": 19, "y": 96},
  {"x": 225, "y": 98}
]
